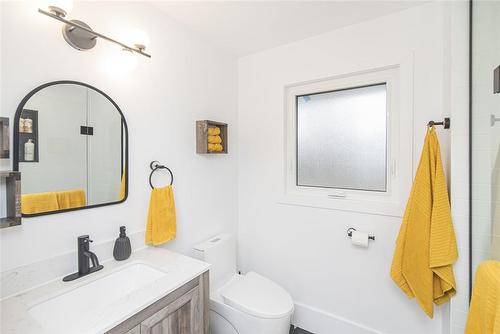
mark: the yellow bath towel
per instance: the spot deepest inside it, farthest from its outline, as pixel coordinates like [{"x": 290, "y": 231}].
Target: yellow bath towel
[
  {"x": 215, "y": 147},
  {"x": 70, "y": 199},
  {"x": 484, "y": 311},
  {"x": 161, "y": 225},
  {"x": 214, "y": 139},
  {"x": 426, "y": 247},
  {"x": 39, "y": 202},
  {"x": 213, "y": 131}
]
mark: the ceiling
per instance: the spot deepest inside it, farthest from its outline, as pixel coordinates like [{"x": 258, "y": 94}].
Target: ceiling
[{"x": 245, "y": 27}]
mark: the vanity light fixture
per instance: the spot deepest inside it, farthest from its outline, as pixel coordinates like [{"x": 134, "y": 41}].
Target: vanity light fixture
[{"x": 80, "y": 36}]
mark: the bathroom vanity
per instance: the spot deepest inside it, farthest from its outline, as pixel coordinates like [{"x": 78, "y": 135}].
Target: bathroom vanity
[
  {"x": 184, "y": 311},
  {"x": 154, "y": 291}
]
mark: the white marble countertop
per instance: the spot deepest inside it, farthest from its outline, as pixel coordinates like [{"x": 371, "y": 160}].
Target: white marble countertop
[{"x": 180, "y": 269}]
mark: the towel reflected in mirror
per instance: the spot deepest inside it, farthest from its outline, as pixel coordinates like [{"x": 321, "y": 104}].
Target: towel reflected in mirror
[{"x": 53, "y": 201}]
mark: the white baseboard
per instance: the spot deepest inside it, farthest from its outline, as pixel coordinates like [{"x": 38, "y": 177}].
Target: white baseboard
[{"x": 321, "y": 322}]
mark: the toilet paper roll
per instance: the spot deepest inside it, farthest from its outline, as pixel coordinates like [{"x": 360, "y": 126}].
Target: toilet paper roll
[{"x": 359, "y": 239}]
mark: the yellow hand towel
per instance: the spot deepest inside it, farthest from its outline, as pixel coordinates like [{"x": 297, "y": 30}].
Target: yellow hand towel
[
  {"x": 484, "y": 311},
  {"x": 215, "y": 148},
  {"x": 214, "y": 131},
  {"x": 121, "y": 194},
  {"x": 426, "y": 247},
  {"x": 161, "y": 225},
  {"x": 214, "y": 139},
  {"x": 39, "y": 202},
  {"x": 70, "y": 199}
]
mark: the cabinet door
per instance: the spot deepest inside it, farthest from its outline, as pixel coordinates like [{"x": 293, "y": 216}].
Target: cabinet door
[{"x": 182, "y": 316}]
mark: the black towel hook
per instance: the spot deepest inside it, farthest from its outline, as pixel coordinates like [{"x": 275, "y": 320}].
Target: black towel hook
[
  {"x": 155, "y": 165},
  {"x": 445, "y": 123}
]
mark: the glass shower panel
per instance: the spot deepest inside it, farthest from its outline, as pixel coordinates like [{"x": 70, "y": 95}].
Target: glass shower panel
[{"x": 485, "y": 214}]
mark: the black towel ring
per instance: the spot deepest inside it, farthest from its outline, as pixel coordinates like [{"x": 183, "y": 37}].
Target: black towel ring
[{"x": 155, "y": 165}]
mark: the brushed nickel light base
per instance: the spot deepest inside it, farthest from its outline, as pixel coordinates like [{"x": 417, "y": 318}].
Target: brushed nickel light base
[{"x": 78, "y": 38}]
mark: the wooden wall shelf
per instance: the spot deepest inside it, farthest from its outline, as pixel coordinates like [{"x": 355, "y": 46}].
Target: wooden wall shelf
[
  {"x": 202, "y": 136},
  {"x": 4, "y": 138},
  {"x": 13, "y": 198}
]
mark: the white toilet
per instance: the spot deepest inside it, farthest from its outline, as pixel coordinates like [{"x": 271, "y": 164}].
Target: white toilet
[{"x": 242, "y": 304}]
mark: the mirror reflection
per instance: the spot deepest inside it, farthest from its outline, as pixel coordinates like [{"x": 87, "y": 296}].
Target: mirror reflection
[{"x": 70, "y": 144}]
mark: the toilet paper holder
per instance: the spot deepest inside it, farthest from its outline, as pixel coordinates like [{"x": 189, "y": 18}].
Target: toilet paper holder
[{"x": 351, "y": 229}]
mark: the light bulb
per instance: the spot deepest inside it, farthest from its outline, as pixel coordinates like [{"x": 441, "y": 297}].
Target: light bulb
[{"x": 57, "y": 7}]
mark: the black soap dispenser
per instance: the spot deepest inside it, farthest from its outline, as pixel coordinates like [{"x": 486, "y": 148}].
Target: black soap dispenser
[{"x": 122, "y": 248}]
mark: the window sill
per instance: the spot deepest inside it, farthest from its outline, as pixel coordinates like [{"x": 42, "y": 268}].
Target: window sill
[{"x": 381, "y": 208}]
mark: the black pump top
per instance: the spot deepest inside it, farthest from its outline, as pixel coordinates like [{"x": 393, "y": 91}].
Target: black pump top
[{"x": 122, "y": 231}]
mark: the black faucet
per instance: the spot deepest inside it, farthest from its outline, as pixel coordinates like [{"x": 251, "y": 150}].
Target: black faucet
[{"x": 84, "y": 257}]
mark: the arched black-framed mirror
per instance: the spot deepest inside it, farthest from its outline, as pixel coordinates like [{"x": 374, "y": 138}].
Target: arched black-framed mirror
[{"x": 71, "y": 147}]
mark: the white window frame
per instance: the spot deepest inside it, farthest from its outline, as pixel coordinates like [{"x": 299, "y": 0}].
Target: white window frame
[{"x": 398, "y": 80}]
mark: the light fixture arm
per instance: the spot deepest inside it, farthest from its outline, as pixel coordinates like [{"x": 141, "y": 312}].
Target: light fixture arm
[{"x": 139, "y": 50}]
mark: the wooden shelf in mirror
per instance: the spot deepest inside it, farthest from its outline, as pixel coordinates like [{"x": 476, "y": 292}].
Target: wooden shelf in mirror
[{"x": 24, "y": 135}]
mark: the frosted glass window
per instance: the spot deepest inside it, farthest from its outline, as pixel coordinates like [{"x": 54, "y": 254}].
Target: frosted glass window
[{"x": 342, "y": 139}]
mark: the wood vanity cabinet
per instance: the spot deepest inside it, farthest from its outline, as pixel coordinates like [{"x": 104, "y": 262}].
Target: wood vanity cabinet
[{"x": 184, "y": 311}]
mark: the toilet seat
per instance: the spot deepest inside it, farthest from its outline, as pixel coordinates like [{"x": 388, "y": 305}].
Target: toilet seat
[{"x": 258, "y": 296}]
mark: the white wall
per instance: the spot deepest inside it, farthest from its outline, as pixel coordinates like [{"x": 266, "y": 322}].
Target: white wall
[
  {"x": 337, "y": 287},
  {"x": 459, "y": 171},
  {"x": 185, "y": 80}
]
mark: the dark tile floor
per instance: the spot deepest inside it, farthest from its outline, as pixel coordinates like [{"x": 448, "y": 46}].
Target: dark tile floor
[{"x": 297, "y": 330}]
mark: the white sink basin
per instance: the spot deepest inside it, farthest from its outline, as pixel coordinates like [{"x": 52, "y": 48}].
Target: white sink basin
[{"x": 80, "y": 309}]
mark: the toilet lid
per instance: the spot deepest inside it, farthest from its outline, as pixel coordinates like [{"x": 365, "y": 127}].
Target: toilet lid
[{"x": 256, "y": 295}]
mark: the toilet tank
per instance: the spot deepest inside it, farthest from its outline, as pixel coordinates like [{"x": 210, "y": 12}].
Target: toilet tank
[{"x": 220, "y": 252}]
